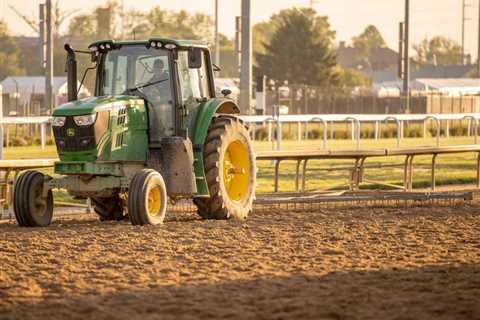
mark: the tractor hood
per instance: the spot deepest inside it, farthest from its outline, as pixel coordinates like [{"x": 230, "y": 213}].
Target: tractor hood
[{"x": 92, "y": 105}]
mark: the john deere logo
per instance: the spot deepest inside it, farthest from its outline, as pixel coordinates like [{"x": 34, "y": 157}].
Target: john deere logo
[{"x": 70, "y": 132}]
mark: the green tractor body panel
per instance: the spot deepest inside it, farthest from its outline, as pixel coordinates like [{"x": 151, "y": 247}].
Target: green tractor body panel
[{"x": 118, "y": 134}]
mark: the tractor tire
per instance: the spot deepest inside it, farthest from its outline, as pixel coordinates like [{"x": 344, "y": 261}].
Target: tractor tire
[
  {"x": 230, "y": 170},
  {"x": 147, "y": 198},
  {"x": 108, "y": 209},
  {"x": 31, "y": 210}
]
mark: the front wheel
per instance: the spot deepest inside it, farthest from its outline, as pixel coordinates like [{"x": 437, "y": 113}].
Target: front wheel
[
  {"x": 147, "y": 198},
  {"x": 31, "y": 207}
]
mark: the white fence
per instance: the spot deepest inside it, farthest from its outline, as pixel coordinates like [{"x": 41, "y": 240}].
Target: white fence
[
  {"x": 326, "y": 120},
  {"x": 356, "y": 120},
  {"x": 5, "y": 121}
]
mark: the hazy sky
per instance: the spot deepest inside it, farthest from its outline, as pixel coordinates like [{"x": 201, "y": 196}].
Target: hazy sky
[{"x": 347, "y": 17}]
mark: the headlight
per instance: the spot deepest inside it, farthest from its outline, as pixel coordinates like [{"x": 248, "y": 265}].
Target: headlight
[
  {"x": 58, "y": 121},
  {"x": 85, "y": 120}
]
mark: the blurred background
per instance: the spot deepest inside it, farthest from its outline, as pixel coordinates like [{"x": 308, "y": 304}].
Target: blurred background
[{"x": 306, "y": 57}]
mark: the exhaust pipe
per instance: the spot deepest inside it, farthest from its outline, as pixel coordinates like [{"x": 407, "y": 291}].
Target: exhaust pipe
[{"x": 71, "y": 69}]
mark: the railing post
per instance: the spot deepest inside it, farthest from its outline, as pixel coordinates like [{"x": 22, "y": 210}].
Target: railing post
[
  {"x": 42, "y": 135},
  {"x": 299, "y": 131},
  {"x": 355, "y": 130},
  {"x": 434, "y": 161},
  {"x": 269, "y": 128},
  {"x": 324, "y": 132},
  {"x": 279, "y": 132}
]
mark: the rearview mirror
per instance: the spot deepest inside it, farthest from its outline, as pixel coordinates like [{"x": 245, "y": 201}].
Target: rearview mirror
[
  {"x": 226, "y": 92},
  {"x": 194, "y": 58}
]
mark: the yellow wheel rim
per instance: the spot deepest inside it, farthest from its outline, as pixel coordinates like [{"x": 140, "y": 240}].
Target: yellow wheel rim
[
  {"x": 154, "y": 201},
  {"x": 236, "y": 170}
]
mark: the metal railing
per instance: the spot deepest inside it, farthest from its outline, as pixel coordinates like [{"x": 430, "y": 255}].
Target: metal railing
[{"x": 356, "y": 120}]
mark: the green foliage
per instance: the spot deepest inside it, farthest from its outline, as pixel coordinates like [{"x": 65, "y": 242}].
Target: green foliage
[
  {"x": 82, "y": 26},
  {"x": 10, "y": 64},
  {"x": 300, "y": 49},
  {"x": 349, "y": 79},
  {"x": 369, "y": 39},
  {"x": 439, "y": 50},
  {"x": 262, "y": 34}
]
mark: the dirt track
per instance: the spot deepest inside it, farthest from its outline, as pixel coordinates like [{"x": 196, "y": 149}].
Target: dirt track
[{"x": 417, "y": 263}]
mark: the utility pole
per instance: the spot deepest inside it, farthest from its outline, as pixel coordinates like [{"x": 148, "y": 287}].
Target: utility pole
[
  {"x": 478, "y": 43},
  {"x": 400, "y": 49},
  {"x": 246, "y": 67},
  {"x": 42, "y": 40},
  {"x": 238, "y": 43},
  {"x": 406, "y": 58},
  {"x": 49, "y": 101},
  {"x": 464, "y": 20},
  {"x": 217, "y": 38}
]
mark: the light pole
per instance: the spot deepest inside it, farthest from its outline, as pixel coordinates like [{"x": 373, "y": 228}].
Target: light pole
[
  {"x": 217, "y": 38},
  {"x": 406, "y": 57},
  {"x": 246, "y": 66}
]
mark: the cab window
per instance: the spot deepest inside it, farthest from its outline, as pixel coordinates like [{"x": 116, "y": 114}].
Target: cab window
[{"x": 194, "y": 83}]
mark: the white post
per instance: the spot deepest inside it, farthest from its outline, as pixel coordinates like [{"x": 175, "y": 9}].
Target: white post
[
  {"x": 7, "y": 138},
  {"x": 269, "y": 127},
  {"x": 377, "y": 127},
  {"x": 42, "y": 135},
  {"x": 447, "y": 129},
  {"x": 353, "y": 130},
  {"x": 279, "y": 129},
  {"x": 299, "y": 131}
]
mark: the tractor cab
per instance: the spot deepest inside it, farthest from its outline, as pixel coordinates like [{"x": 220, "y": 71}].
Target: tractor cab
[{"x": 171, "y": 77}]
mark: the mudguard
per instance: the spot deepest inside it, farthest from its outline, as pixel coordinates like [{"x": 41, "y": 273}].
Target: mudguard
[{"x": 198, "y": 130}]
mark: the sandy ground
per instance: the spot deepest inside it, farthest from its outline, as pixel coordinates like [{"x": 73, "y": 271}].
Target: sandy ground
[{"x": 410, "y": 263}]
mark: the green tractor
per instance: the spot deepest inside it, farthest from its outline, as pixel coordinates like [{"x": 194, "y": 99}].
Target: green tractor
[{"x": 154, "y": 132}]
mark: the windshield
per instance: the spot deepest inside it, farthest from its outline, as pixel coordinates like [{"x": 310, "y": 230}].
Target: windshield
[
  {"x": 137, "y": 70},
  {"x": 133, "y": 68}
]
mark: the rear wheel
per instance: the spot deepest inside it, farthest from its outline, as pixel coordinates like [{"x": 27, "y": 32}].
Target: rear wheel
[
  {"x": 147, "y": 198},
  {"x": 108, "y": 209},
  {"x": 31, "y": 208},
  {"x": 230, "y": 169}
]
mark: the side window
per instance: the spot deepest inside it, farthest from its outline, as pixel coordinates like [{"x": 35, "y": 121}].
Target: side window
[
  {"x": 193, "y": 82},
  {"x": 119, "y": 83},
  {"x": 203, "y": 74}
]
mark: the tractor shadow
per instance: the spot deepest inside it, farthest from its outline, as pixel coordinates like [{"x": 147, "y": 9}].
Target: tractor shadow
[
  {"x": 436, "y": 292},
  {"x": 91, "y": 220}
]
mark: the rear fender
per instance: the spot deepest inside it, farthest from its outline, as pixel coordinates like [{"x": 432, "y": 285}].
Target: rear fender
[{"x": 204, "y": 114}]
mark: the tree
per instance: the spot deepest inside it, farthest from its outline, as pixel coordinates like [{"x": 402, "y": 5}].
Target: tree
[
  {"x": 9, "y": 53},
  {"x": 369, "y": 39},
  {"x": 82, "y": 26},
  {"x": 300, "y": 50},
  {"x": 438, "y": 50},
  {"x": 350, "y": 79},
  {"x": 262, "y": 33}
]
